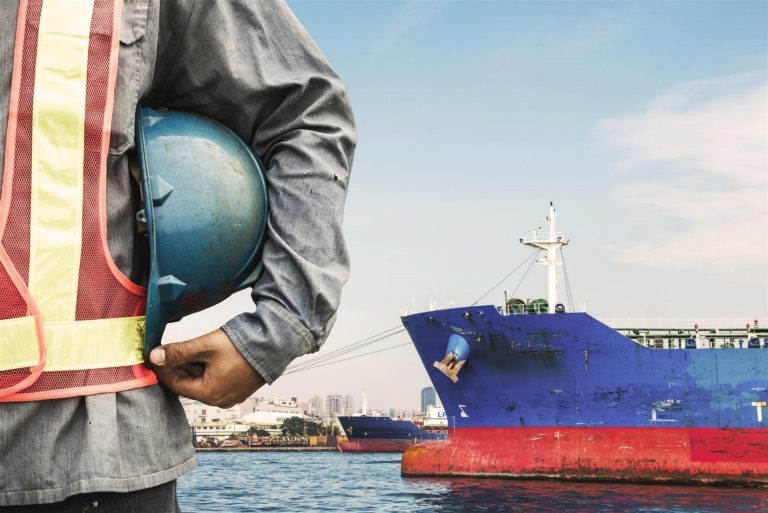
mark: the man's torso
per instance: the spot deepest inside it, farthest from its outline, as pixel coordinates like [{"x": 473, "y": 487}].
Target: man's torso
[{"x": 109, "y": 442}]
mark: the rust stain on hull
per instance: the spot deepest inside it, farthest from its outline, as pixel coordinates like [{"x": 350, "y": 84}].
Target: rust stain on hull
[{"x": 732, "y": 457}]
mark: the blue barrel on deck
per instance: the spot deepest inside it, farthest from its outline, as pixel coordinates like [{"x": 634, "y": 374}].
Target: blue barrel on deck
[{"x": 690, "y": 344}]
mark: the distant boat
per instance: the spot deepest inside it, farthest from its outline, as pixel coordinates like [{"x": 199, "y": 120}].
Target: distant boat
[
  {"x": 384, "y": 434},
  {"x": 531, "y": 391}
]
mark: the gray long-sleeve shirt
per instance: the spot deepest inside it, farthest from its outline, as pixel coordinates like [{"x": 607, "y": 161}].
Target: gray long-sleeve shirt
[{"x": 251, "y": 66}]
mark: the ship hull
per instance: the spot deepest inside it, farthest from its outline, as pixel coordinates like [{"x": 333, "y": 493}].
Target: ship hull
[
  {"x": 377, "y": 445},
  {"x": 383, "y": 434},
  {"x": 679, "y": 455},
  {"x": 565, "y": 396}
]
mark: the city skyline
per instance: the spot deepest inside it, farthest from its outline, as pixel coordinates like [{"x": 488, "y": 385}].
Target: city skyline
[
  {"x": 644, "y": 122},
  {"x": 260, "y": 409}
]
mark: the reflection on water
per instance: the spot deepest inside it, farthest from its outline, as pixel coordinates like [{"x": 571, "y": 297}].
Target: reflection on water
[
  {"x": 298, "y": 482},
  {"x": 556, "y": 496}
]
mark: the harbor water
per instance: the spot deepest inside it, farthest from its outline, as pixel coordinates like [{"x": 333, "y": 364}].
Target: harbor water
[{"x": 307, "y": 482}]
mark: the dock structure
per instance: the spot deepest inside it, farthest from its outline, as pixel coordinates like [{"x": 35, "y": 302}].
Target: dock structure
[{"x": 267, "y": 449}]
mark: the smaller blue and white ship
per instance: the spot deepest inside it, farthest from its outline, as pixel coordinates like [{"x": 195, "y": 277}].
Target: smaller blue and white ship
[{"x": 384, "y": 434}]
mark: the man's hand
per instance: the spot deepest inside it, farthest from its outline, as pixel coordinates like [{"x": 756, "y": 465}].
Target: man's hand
[{"x": 208, "y": 369}]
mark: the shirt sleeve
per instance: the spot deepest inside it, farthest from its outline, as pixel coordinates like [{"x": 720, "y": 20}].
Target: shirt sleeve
[{"x": 252, "y": 66}]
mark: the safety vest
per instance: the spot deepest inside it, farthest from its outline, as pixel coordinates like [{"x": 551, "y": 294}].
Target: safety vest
[{"x": 71, "y": 324}]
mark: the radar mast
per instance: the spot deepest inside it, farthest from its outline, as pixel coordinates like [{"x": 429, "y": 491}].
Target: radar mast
[{"x": 550, "y": 242}]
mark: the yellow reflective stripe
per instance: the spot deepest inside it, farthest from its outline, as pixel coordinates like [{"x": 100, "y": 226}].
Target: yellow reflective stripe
[
  {"x": 18, "y": 343},
  {"x": 73, "y": 345},
  {"x": 58, "y": 119},
  {"x": 94, "y": 344}
]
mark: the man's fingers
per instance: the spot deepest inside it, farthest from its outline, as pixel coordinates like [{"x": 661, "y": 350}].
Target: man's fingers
[
  {"x": 191, "y": 370},
  {"x": 209, "y": 369},
  {"x": 190, "y": 381},
  {"x": 178, "y": 353},
  {"x": 180, "y": 382}
]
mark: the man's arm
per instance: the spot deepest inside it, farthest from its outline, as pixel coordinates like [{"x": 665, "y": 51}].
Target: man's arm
[{"x": 251, "y": 66}]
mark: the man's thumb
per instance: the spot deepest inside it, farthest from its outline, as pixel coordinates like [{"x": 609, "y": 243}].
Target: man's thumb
[
  {"x": 157, "y": 356},
  {"x": 176, "y": 353}
]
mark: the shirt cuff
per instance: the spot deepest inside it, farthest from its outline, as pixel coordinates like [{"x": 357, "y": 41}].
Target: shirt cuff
[{"x": 269, "y": 338}]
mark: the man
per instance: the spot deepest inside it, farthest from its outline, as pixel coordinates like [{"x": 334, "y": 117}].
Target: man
[{"x": 251, "y": 66}]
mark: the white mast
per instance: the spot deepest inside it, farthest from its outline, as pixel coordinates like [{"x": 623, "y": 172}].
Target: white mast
[
  {"x": 551, "y": 243},
  {"x": 365, "y": 402}
]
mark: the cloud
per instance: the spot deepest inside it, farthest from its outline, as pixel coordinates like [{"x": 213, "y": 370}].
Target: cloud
[
  {"x": 711, "y": 139},
  {"x": 408, "y": 18}
]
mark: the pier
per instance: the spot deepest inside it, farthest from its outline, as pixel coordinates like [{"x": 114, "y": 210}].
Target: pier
[{"x": 267, "y": 449}]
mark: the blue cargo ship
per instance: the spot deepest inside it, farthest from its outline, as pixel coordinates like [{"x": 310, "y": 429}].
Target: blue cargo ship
[
  {"x": 384, "y": 434},
  {"x": 533, "y": 391}
]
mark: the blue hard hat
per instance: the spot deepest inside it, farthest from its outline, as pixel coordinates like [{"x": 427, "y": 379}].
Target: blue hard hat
[{"x": 205, "y": 209}]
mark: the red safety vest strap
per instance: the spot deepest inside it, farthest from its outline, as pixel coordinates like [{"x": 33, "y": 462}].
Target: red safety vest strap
[{"x": 70, "y": 322}]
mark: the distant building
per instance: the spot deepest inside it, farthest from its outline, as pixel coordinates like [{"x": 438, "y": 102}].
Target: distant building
[
  {"x": 397, "y": 413},
  {"x": 198, "y": 413},
  {"x": 247, "y": 406},
  {"x": 334, "y": 405},
  {"x": 364, "y": 406},
  {"x": 428, "y": 398},
  {"x": 435, "y": 417},
  {"x": 348, "y": 405},
  {"x": 260, "y": 411},
  {"x": 219, "y": 430},
  {"x": 316, "y": 406},
  {"x": 270, "y": 421},
  {"x": 304, "y": 408}
]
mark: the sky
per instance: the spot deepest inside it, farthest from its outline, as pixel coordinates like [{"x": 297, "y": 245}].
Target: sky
[{"x": 646, "y": 123}]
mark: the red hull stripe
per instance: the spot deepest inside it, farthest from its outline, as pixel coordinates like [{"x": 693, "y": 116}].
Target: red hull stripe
[
  {"x": 375, "y": 445},
  {"x": 736, "y": 456}
]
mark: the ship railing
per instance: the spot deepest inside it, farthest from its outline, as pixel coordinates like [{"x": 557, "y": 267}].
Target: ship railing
[
  {"x": 677, "y": 323},
  {"x": 703, "y": 337},
  {"x": 536, "y": 236},
  {"x": 530, "y": 309}
]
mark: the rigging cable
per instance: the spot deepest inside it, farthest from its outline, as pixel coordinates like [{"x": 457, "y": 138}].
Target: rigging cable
[
  {"x": 361, "y": 343},
  {"x": 332, "y": 357},
  {"x": 526, "y": 274},
  {"x": 567, "y": 282},
  {"x": 378, "y": 337},
  {"x": 348, "y": 358},
  {"x": 535, "y": 252}
]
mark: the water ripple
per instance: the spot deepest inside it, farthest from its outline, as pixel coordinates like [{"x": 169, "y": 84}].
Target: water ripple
[{"x": 309, "y": 482}]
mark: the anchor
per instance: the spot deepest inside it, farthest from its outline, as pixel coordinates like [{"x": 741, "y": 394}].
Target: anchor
[{"x": 456, "y": 355}]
